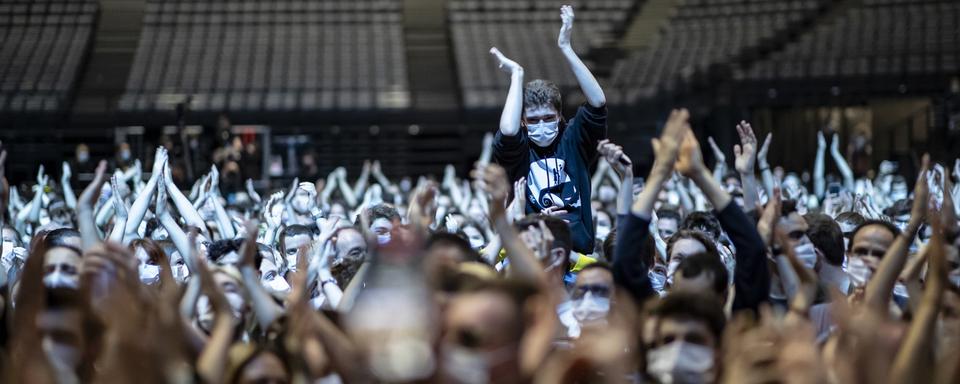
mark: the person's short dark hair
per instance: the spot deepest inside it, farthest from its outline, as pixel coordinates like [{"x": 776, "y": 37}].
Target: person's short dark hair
[
  {"x": 220, "y": 248},
  {"x": 293, "y": 230},
  {"x": 558, "y": 228},
  {"x": 458, "y": 242},
  {"x": 708, "y": 243},
  {"x": 58, "y": 237},
  {"x": 692, "y": 266},
  {"x": 899, "y": 208},
  {"x": 850, "y": 217},
  {"x": 702, "y": 221},
  {"x": 539, "y": 92},
  {"x": 696, "y": 306},
  {"x": 883, "y": 223},
  {"x": 382, "y": 211},
  {"x": 669, "y": 213},
  {"x": 826, "y": 235},
  {"x": 344, "y": 269}
]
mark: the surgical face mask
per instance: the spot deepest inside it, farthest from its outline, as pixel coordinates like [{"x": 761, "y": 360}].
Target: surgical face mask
[
  {"x": 680, "y": 362},
  {"x": 954, "y": 277},
  {"x": 149, "y": 274},
  {"x": 590, "y": 308},
  {"x": 900, "y": 290},
  {"x": 159, "y": 234},
  {"x": 58, "y": 279},
  {"x": 180, "y": 272},
  {"x": 465, "y": 366},
  {"x": 317, "y": 302},
  {"x": 476, "y": 243},
  {"x": 657, "y": 280},
  {"x": 237, "y": 303},
  {"x": 806, "y": 254},
  {"x": 602, "y": 232},
  {"x": 543, "y": 133},
  {"x": 859, "y": 272},
  {"x": 83, "y": 156},
  {"x": 277, "y": 284},
  {"x": 607, "y": 194},
  {"x": 125, "y": 155},
  {"x": 383, "y": 239}
]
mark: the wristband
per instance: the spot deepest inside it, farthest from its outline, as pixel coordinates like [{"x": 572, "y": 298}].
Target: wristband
[{"x": 327, "y": 281}]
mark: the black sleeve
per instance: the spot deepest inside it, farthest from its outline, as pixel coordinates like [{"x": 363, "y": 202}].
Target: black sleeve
[
  {"x": 751, "y": 278},
  {"x": 629, "y": 270},
  {"x": 511, "y": 152},
  {"x": 591, "y": 127}
]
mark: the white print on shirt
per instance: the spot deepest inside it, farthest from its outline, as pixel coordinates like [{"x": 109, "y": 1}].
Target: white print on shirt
[{"x": 550, "y": 185}]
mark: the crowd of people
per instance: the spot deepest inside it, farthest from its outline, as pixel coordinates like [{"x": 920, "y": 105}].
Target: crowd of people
[{"x": 530, "y": 269}]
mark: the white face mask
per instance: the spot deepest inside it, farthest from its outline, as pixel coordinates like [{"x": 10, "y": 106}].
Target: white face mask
[
  {"x": 954, "y": 278},
  {"x": 461, "y": 365},
  {"x": 317, "y": 302},
  {"x": 680, "y": 362},
  {"x": 149, "y": 274},
  {"x": 83, "y": 156},
  {"x": 59, "y": 280},
  {"x": 590, "y": 308},
  {"x": 602, "y": 232},
  {"x": 806, "y": 254},
  {"x": 180, "y": 272},
  {"x": 476, "y": 243},
  {"x": 278, "y": 284},
  {"x": 383, "y": 239},
  {"x": 657, "y": 280},
  {"x": 859, "y": 272},
  {"x": 543, "y": 133},
  {"x": 607, "y": 194}
]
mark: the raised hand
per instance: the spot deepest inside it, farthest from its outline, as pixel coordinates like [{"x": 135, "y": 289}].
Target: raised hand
[
  {"x": 272, "y": 220},
  {"x": 835, "y": 145},
  {"x": 821, "y": 141},
  {"x": 762, "y": 154},
  {"x": 252, "y": 192},
  {"x": 65, "y": 177},
  {"x": 161, "y": 206},
  {"x": 492, "y": 179},
  {"x": 614, "y": 155},
  {"x": 507, "y": 65},
  {"x": 42, "y": 178},
  {"x": 119, "y": 206},
  {"x": 746, "y": 151},
  {"x": 769, "y": 217},
  {"x": 214, "y": 178},
  {"x": 717, "y": 153},
  {"x": 159, "y": 160},
  {"x": 293, "y": 190},
  {"x": 690, "y": 161},
  {"x": 566, "y": 30}
]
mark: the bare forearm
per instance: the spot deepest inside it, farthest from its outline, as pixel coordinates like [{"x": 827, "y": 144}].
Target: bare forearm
[
  {"x": 625, "y": 196},
  {"x": 643, "y": 205},
  {"x": 176, "y": 234},
  {"x": 712, "y": 190},
  {"x": 751, "y": 196},
  {"x": 845, "y": 170},
  {"x": 189, "y": 214},
  {"x": 139, "y": 208},
  {"x": 588, "y": 83},
  {"x": 513, "y": 107},
  {"x": 818, "y": 180},
  {"x": 264, "y": 308},
  {"x": 881, "y": 285}
]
